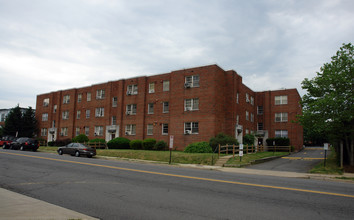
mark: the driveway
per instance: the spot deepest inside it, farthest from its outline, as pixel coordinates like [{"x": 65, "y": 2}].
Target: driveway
[{"x": 300, "y": 162}]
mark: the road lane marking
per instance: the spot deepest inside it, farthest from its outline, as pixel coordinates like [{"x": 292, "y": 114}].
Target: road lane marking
[
  {"x": 186, "y": 177},
  {"x": 303, "y": 158}
]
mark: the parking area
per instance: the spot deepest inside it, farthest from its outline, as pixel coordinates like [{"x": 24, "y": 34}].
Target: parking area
[{"x": 300, "y": 162}]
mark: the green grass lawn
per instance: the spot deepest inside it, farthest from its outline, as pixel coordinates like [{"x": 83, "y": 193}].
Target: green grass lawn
[
  {"x": 160, "y": 156},
  {"x": 331, "y": 165},
  {"x": 248, "y": 158}
]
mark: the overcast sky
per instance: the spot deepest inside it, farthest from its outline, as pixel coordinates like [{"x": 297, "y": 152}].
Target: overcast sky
[{"x": 51, "y": 45}]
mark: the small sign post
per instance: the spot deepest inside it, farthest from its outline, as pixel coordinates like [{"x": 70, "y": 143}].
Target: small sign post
[
  {"x": 171, "y": 147},
  {"x": 325, "y": 147},
  {"x": 240, "y": 152}
]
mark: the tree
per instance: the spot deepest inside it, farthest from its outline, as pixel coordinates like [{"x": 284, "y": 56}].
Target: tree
[
  {"x": 328, "y": 106},
  {"x": 22, "y": 125}
]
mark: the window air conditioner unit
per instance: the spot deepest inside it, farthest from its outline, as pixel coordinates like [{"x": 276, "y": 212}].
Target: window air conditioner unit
[
  {"x": 129, "y": 92},
  {"x": 188, "y": 108},
  {"x": 127, "y": 133},
  {"x": 129, "y": 113},
  {"x": 187, "y": 85},
  {"x": 188, "y": 132}
]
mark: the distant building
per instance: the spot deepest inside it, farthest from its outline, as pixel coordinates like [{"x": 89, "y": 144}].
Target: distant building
[{"x": 190, "y": 104}]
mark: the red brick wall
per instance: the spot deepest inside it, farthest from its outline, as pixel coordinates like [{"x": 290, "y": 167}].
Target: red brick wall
[{"x": 217, "y": 107}]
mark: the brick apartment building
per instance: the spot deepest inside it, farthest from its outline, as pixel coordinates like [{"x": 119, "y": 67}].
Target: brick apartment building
[{"x": 190, "y": 104}]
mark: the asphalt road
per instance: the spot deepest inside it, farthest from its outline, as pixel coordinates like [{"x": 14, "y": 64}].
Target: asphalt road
[
  {"x": 124, "y": 190},
  {"x": 300, "y": 162}
]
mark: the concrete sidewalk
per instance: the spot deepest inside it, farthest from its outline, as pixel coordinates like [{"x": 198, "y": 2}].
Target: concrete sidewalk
[{"x": 20, "y": 207}]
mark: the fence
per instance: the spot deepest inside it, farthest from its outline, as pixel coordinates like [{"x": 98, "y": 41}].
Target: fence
[{"x": 234, "y": 149}]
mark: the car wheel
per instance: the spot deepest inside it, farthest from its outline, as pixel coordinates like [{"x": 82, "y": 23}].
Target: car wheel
[
  {"x": 22, "y": 148},
  {"x": 4, "y": 146},
  {"x": 60, "y": 152},
  {"x": 34, "y": 149},
  {"x": 77, "y": 154},
  {"x": 89, "y": 156}
]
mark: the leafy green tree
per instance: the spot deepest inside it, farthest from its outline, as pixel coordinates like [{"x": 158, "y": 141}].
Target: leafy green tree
[
  {"x": 29, "y": 126},
  {"x": 328, "y": 106},
  {"x": 249, "y": 139},
  {"x": 22, "y": 125},
  {"x": 81, "y": 138},
  {"x": 14, "y": 122}
]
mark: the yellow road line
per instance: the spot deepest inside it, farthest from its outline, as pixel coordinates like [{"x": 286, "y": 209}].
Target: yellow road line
[
  {"x": 303, "y": 158},
  {"x": 186, "y": 177}
]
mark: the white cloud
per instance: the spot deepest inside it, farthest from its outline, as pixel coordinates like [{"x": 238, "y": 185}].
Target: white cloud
[{"x": 53, "y": 45}]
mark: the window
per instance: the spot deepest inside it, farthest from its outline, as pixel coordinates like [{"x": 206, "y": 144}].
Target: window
[
  {"x": 79, "y": 97},
  {"x": 247, "y": 116},
  {"x": 166, "y": 85},
  {"x": 131, "y": 109},
  {"x": 43, "y": 132},
  {"x": 87, "y": 113},
  {"x": 65, "y": 115},
  {"x": 191, "y": 104},
  {"x": 151, "y": 87},
  {"x": 45, "y": 117},
  {"x": 98, "y": 130},
  {"x": 252, "y": 100},
  {"x": 55, "y": 108},
  {"x": 132, "y": 90},
  {"x": 260, "y": 126},
  {"x": 281, "y": 117},
  {"x": 281, "y": 133},
  {"x": 247, "y": 131},
  {"x": 247, "y": 97},
  {"x": 46, "y": 102},
  {"x": 151, "y": 108},
  {"x": 237, "y": 97},
  {"x": 192, "y": 81},
  {"x": 77, "y": 131},
  {"x": 100, "y": 94},
  {"x": 114, "y": 120},
  {"x": 64, "y": 131},
  {"x": 89, "y": 97},
  {"x": 150, "y": 128},
  {"x": 252, "y": 117},
  {"x": 99, "y": 112},
  {"x": 87, "y": 131},
  {"x": 281, "y": 100},
  {"x": 2, "y": 117},
  {"x": 114, "y": 102},
  {"x": 66, "y": 99},
  {"x": 191, "y": 128},
  {"x": 165, "y": 129},
  {"x": 78, "y": 114},
  {"x": 130, "y": 129},
  {"x": 260, "y": 110},
  {"x": 165, "y": 107}
]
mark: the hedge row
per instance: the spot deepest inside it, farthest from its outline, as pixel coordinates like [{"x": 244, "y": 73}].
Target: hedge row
[{"x": 147, "y": 144}]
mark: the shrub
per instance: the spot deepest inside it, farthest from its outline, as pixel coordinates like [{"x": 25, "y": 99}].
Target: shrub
[
  {"x": 100, "y": 140},
  {"x": 198, "y": 147},
  {"x": 136, "y": 144},
  {"x": 222, "y": 139},
  {"x": 161, "y": 145},
  {"x": 248, "y": 139},
  {"x": 149, "y": 144},
  {"x": 51, "y": 143},
  {"x": 279, "y": 141},
  {"x": 119, "y": 143},
  {"x": 81, "y": 138}
]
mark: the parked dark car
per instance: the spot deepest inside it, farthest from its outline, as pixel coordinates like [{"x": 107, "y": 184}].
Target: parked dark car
[
  {"x": 25, "y": 143},
  {"x": 6, "y": 141},
  {"x": 77, "y": 149}
]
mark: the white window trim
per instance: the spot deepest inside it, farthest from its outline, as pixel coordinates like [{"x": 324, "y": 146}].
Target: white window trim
[
  {"x": 131, "y": 109},
  {"x": 152, "y": 87},
  {"x": 100, "y": 94},
  {"x": 164, "y": 85},
  {"x": 99, "y": 130},
  {"x": 282, "y": 116},
  {"x": 99, "y": 112},
  {"x": 45, "y": 117},
  {"x": 114, "y": 102},
  {"x": 151, "y": 108},
  {"x": 191, "y": 81},
  {"x": 282, "y": 133},
  {"x": 193, "y": 106},
  {"x": 191, "y": 128},
  {"x": 163, "y": 107},
  {"x": 281, "y": 100},
  {"x": 150, "y": 127},
  {"x": 163, "y": 125},
  {"x": 132, "y": 89},
  {"x": 130, "y": 129}
]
